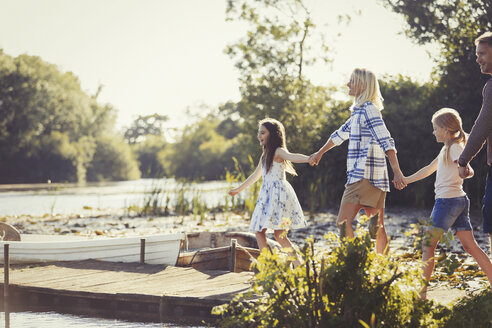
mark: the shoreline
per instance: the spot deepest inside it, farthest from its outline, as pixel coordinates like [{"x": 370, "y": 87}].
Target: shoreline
[{"x": 399, "y": 222}]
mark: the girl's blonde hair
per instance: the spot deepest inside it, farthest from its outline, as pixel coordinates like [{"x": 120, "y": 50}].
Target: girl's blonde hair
[
  {"x": 368, "y": 83},
  {"x": 450, "y": 120},
  {"x": 275, "y": 140}
]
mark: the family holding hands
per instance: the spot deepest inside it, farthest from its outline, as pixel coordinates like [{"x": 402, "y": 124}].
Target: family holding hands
[{"x": 369, "y": 144}]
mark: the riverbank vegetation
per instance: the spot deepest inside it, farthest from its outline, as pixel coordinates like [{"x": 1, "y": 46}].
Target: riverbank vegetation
[
  {"x": 349, "y": 286},
  {"x": 50, "y": 129}
]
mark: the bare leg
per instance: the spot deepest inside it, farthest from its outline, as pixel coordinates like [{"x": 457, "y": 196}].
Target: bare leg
[
  {"x": 347, "y": 214},
  {"x": 471, "y": 247},
  {"x": 281, "y": 238},
  {"x": 372, "y": 213},
  {"x": 428, "y": 246},
  {"x": 261, "y": 239},
  {"x": 381, "y": 236}
]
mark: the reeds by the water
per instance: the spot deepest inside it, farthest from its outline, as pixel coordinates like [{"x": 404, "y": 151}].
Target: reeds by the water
[{"x": 186, "y": 198}]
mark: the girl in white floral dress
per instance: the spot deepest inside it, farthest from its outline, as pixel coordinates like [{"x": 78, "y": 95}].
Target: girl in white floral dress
[{"x": 277, "y": 207}]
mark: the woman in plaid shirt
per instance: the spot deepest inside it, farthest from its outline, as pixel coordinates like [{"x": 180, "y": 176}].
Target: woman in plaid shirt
[{"x": 369, "y": 144}]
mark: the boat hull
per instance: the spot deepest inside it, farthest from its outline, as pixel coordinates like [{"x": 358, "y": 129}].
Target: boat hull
[
  {"x": 159, "y": 249},
  {"x": 234, "y": 251}
]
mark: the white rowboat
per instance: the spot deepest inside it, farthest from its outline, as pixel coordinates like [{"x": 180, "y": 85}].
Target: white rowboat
[{"x": 159, "y": 249}]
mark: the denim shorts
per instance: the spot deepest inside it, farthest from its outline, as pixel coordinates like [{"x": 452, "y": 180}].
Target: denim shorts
[{"x": 452, "y": 213}]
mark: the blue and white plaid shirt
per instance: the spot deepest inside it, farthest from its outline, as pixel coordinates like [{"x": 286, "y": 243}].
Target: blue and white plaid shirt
[{"x": 369, "y": 139}]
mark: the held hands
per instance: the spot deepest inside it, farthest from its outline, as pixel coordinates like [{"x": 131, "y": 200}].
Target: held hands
[
  {"x": 466, "y": 171},
  {"x": 314, "y": 159},
  {"x": 400, "y": 181}
]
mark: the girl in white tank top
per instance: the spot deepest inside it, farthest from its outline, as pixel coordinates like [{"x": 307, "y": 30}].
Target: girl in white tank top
[{"x": 452, "y": 205}]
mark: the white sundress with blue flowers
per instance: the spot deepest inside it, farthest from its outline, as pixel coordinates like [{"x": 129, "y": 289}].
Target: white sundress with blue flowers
[{"x": 277, "y": 206}]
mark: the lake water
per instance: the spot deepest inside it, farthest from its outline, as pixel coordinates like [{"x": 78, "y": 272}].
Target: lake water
[
  {"x": 39, "y": 199},
  {"x": 57, "y": 320}
]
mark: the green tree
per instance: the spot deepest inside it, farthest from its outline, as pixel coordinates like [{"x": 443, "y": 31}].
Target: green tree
[
  {"x": 146, "y": 136},
  {"x": 46, "y": 122},
  {"x": 407, "y": 114},
  {"x": 271, "y": 59},
  {"x": 145, "y": 126},
  {"x": 200, "y": 152},
  {"x": 113, "y": 160},
  {"x": 148, "y": 156},
  {"x": 453, "y": 25}
]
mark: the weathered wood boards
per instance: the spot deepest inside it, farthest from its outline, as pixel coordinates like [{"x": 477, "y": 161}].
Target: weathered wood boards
[
  {"x": 124, "y": 290},
  {"x": 234, "y": 251}
]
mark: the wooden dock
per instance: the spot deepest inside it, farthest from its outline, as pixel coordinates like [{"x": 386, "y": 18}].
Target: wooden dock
[{"x": 132, "y": 291}]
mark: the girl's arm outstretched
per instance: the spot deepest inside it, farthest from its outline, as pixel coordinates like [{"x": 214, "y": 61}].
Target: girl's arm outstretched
[
  {"x": 248, "y": 182},
  {"x": 287, "y": 156},
  {"x": 316, "y": 157},
  {"x": 336, "y": 138},
  {"x": 423, "y": 172}
]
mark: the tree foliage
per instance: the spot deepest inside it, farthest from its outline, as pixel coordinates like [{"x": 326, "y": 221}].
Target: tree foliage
[
  {"x": 453, "y": 25},
  {"x": 49, "y": 127},
  {"x": 408, "y": 112},
  {"x": 439, "y": 21},
  {"x": 277, "y": 42},
  {"x": 144, "y": 126},
  {"x": 148, "y": 154},
  {"x": 113, "y": 160},
  {"x": 270, "y": 61},
  {"x": 146, "y": 136},
  {"x": 201, "y": 152}
]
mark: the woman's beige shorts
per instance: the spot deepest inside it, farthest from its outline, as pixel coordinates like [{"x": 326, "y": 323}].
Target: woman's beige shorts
[{"x": 364, "y": 193}]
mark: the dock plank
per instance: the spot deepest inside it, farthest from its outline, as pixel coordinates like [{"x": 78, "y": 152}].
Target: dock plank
[
  {"x": 130, "y": 288},
  {"x": 176, "y": 285},
  {"x": 45, "y": 275}
]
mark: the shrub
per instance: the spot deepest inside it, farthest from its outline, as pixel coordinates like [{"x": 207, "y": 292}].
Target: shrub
[
  {"x": 351, "y": 286},
  {"x": 471, "y": 311}
]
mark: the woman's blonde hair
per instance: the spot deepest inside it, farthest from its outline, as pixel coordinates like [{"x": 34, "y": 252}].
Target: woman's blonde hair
[
  {"x": 275, "y": 140},
  {"x": 368, "y": 83},
  {"x": 450, "y": 120}
]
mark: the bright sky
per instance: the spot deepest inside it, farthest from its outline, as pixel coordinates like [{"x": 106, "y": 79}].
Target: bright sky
[{"x": 167, "y": 55}]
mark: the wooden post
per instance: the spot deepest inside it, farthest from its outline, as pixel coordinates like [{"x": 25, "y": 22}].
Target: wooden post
[
  {"x": 6, "y": 269},
  {"x": 233, "y": 255},
  {"x": 142, "y": 250},
  {"x": 213, "y": 241}
]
